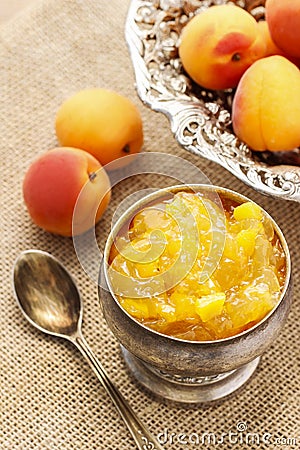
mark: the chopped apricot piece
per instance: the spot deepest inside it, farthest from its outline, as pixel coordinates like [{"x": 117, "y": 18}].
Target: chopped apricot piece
[
  {"x": 136, "y": 307},
  {"x": 210, "y": 306},
  {"x": 247, "y": 210},
  {"x": 246, "y": 240}
]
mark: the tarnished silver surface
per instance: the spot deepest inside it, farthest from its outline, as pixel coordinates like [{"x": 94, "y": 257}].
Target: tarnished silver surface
[
  {"x": 199, "y": 118},
  {"x": 173, "y": 387},
  {"x": 182, "y": 380},
  {"x": 190, "y": 359}
]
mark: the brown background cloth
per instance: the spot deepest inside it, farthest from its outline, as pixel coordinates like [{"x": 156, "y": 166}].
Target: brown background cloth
[{"x": 49, "y": 398}]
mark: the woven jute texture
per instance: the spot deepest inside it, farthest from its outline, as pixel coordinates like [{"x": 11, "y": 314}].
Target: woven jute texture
[{"x": 49, "y": 398}]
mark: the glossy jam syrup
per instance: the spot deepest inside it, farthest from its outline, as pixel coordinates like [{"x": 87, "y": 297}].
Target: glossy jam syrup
[{"x": 197, "y": 270}]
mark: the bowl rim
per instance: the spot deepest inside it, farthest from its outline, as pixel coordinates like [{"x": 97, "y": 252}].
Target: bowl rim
[{"x": 130, "y": 212}]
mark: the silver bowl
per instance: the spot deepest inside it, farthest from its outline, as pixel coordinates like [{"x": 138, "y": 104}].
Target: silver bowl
[
  {"x": 200, "y": 119},
  {"x": 183, "y": 370}
]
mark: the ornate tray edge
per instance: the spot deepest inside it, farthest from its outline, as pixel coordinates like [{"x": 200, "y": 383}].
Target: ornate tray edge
[{"x": 180, "y": 112}]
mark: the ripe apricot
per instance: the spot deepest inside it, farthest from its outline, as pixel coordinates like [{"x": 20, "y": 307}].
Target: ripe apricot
[
  {"x": 219, "y": 44},
  {"x": 266, "y": 105},
  {"x": 271, "y": 48},
  {"x": 283, "y": 18},
  {"x": 102, "y": 122},
  {"x": 52, "y": 186}
]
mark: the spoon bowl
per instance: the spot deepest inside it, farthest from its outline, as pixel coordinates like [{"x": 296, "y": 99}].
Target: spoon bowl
[
  {"x": 49, "y": 299},
  {"x": 47, "y": 294}
]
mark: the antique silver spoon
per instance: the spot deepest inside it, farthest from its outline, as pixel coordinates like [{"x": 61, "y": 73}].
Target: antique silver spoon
[{"x": 50, "y": 301}]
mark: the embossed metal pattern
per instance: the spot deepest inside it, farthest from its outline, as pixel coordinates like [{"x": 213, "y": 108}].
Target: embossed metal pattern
[
  {"x": 200, "y": 119},
  {"x": 179, "y": 379}
]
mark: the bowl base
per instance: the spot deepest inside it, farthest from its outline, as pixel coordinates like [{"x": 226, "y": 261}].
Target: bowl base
[{"x": 188, "y": 389}]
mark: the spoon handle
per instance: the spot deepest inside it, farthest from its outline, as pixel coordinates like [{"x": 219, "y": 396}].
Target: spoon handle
[{"x": 143, "y": 438}]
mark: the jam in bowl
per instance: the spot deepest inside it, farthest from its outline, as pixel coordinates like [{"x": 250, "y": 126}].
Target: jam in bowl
[{"x": 195, "y": 284}]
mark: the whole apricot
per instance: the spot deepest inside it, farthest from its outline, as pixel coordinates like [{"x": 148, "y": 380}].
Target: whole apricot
[
  {"x": 283, "y": 18},
  {"x": 266, "y": 105},
  {"x": 102, "y": 122},
  {"x": 52, "y": 187},
  {"x": 219, "y": 44},
  {"x": 270, "y": 47}
]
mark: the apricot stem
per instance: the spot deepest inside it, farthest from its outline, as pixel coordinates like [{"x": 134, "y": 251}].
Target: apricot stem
[
  {"x": 92, "y": 176},
  {"x": 236, "y": 57},
  {"x": 126, "y": 148}
]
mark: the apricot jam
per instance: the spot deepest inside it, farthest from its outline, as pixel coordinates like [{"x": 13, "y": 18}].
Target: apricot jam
[{"x": 197, "y": 270}]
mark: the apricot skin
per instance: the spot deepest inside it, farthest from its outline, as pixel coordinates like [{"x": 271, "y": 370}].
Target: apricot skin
[
  {"x": 219, "y": 44},
  {"x": 51, "y": 187},
  {"x": 102, "y": 122},
  {"x": 283, "y": 17},
  {"x": 266, "y": 105},
  {"x": 271, "y": 47}
]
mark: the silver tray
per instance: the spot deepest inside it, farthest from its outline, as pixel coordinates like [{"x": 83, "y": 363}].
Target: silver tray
[{"x": 199, "y": 118}]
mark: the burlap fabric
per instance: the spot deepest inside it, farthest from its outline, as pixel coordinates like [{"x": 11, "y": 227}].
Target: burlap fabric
[{"x": 49, "y": 398}]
